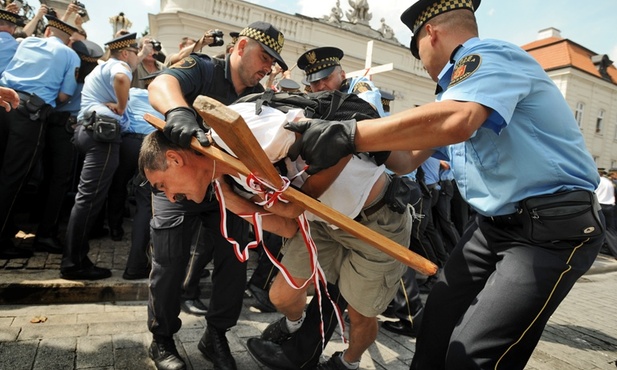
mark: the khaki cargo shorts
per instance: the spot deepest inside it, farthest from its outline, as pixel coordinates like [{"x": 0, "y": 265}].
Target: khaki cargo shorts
[{"x": 367, "y": 278}]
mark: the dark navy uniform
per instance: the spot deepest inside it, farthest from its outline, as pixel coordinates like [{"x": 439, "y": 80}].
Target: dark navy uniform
[
  {"x": 41, "y": 70},
  {"x": 173, "y": 223}
]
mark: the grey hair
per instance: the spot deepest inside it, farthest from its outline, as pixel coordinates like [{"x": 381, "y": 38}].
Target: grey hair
[{"x": 152, "y": 152}]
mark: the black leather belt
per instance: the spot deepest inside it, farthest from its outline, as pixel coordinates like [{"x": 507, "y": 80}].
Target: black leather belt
[
  {"x": 134, "y": 135},
  {"x": 372, "y": 209},
  {"x": 513, "y": 219}
]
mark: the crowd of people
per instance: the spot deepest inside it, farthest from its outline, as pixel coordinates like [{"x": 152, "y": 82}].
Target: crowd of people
[{"x": 440, "y": 179}]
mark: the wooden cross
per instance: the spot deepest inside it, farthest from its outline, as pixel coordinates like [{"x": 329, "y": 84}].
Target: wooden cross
[{"x": 368, "y": 71}]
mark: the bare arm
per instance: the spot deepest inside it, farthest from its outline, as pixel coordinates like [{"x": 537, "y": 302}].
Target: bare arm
[
  {"x": 122, "y": 84},
  {"x": 314, "y": 186},
  {"x": 31, "y": 26},
  {"x": 404, "y": 162},
  {"x": 428, "y": 126},
  {"x": 283, "y": 226}
]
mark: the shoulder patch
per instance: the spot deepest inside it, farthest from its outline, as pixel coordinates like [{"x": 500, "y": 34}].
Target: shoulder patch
[
  {"x": 465, "y": 68},
  {"x": 185, "y": 63},
  {"x": 361, "y": 87}
]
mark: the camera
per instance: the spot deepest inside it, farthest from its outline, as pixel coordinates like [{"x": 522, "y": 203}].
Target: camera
[
  {"x": 217, "y": 35},
  {"x": 82, "y": 10},
  {"x": 156, "y": 45},
  {"x": 52, "y": 12}
]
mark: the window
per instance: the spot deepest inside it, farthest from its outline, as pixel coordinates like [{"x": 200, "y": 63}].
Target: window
[
  {"x": 578, "y": 114},
  {"x": 599, "y": 121}
]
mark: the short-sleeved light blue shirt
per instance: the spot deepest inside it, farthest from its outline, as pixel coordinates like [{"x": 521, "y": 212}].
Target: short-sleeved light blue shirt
[
  {"x": 99, "y": 90},
  {"x": 43, "y": 66},
  {"x": 8, "y": 46},
  {"x": 530, "y": 145},
  {"x": 137, "y": 107}
]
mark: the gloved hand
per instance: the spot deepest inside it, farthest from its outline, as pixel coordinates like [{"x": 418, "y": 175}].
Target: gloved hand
[
  {"x": 323, "y": 143},
  {"x": 182, "y": 125}
]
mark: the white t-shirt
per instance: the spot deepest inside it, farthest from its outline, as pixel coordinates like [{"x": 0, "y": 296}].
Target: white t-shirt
[{"x": 348, "y": 192}]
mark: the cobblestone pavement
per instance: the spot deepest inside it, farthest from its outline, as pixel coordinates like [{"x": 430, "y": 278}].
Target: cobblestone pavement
[{"x": 106, "y": 334}]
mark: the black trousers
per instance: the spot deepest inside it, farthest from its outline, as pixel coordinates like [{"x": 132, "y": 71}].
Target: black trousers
[
  {"x": 407, "y": 302},
  {"x": 58, "y": 157},
  {"x": 173, "y": 227},
  {"x": 126, "y": 176},
  {"x": 21, "y": 145},
  {"x": 304, "y": 346},
  {"x": 442, "y": 216},
  {"x": 265, "y": 270},
  {"x": 495, "y": 295},
  {"x": 425, "y": 240},
  {"x": 100, "y": 163}
]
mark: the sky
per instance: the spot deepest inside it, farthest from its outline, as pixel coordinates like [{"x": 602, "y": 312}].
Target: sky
[{"x": 514, "y": 21}]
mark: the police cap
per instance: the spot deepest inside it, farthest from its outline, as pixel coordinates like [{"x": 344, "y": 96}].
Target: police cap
[
  {"x": 122, "y": 42},
  {"x": 269, "y": 37},
  {"x": 320, "y": 62},
  {"x": 60, "y": 25},
  {"x": 424, "y": 10}
]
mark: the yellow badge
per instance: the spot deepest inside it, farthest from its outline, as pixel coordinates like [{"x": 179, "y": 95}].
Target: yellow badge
[
  {"x": 185, "y": 63},
  {"x": 465, "y": 68},
  {"x": 361, "y": 87},
  {"x": 281, "y": 40},
  {"x": 311, "y": 57}
]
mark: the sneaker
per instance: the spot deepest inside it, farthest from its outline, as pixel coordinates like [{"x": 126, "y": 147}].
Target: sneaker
[
  {"x": 334, "y": 363},
  {"x": 277, "y": 332},
  {"x": 165, "y": 355}
]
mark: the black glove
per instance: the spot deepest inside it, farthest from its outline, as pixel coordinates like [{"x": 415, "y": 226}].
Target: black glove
[
  {"x": 182, "y": 125},
  {"x": 323, "y": 143}
]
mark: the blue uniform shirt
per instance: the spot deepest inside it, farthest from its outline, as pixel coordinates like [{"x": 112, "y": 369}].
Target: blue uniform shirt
[
  {"x": 72, "y": 105},
  {"x": 137, "y": 107},
  {"x": 43, "y": 66},
  {"x": 530, "y": 145},
  {"x": 99, "y": 89},
  {"x": 8, "y": 46}
]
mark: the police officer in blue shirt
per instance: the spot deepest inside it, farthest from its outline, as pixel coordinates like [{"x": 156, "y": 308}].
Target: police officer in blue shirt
[
  {"x": 518, "y": 156},
  {"x": 8, "y": 44},
  {"x": 137, "y": 264},
  {"x": 102, "y": 116},
  {"x": 59, "y": 155},
  {"x": 43, "y": 71}
]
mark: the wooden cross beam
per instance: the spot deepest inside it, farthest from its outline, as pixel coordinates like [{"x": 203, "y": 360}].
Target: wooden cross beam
[{"x": 368, "y": 71}]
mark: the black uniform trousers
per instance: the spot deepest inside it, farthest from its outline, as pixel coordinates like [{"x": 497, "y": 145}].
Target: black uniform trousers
[
  {"x": 173, "y": 227},
  {"x": 495, "y": 295},
  {"x": 100, "y": 163},
  {"x": 58, "y": 158},
  {"x": 442, "y": 216},
  {"x": 407, "y": 302},
  {"x": 21, "y": 145},
  {"x": 425, "y": 240},
  {"x": 138, "y": 260},
  {"x": 304, "y": 346},
  {"x": 265, "y": 271}
]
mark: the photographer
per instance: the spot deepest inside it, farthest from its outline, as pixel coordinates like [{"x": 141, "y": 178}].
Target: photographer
[
  {"x": 148, "y": 65},
  {"x": 189, "y": 45}
]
